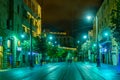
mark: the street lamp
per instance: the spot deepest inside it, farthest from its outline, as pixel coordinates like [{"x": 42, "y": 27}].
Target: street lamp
[
  {"x": 106, "y": 34},
  {"x": 89, "y": 17},
  {"x": 22, "y": 35},
  {"x": 31, "y": 59},
  {"x": 78, "y": 42},
  {"x": 97, "y": 40},
  {"x": 50, "y": 37},
  {"x": 85, "y": 36},
  {"x": 94, "y": 45}
]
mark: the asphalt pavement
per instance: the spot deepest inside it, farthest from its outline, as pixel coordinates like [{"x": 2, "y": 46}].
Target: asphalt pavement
[{"x": 63, "y": 71}]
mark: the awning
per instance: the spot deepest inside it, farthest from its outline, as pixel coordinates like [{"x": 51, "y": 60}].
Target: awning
[{"x": 105, "y": 42}]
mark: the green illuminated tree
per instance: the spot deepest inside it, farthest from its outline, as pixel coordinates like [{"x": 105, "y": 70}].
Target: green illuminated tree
[
  {"x": 115, "y": 20},
  {"x": 39, "y": 45},
  {"x": 52, "y": 51}
]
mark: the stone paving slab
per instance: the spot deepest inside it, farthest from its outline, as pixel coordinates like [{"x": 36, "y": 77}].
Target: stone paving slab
[{"x": 63, "y": 71}]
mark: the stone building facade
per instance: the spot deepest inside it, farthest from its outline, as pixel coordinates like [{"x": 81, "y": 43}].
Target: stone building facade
[
  {"x": 15, "y": 19},
  {"x": 63, "y": 39},
  {"x": 104, "y": 30}
]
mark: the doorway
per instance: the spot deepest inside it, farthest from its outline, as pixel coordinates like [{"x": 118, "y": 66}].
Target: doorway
[{"x": 1, "y": 60}]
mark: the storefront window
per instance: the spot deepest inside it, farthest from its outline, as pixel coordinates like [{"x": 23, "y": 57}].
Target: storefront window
[
  {"x": 8, "y": 44},
  {"x": 1, "y": 55}
]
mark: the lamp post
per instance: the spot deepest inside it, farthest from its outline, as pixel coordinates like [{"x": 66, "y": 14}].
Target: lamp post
[
  {"x": 86, "y": 46},
  {"x": 31, "y": 61},
  {"x": 97, "y": 41}
]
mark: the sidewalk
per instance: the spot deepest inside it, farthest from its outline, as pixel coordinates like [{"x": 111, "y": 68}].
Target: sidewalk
[
  {"x": 109, "y": 72},
  {"x": 36, "y": 66},
  {"x": 21, "y": 68},
  {"x": 107, "y": 67}
]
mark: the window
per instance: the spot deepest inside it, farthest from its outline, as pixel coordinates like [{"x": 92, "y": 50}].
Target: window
[
  {"x": 29, "y": 3},
  {"x": 8, "y": 43},
  {"x": 0, "y": 41},
  {"x": 25, "y": 14},
  {"x": 28, "y": 31},
  {"x": 18, "y": 9},
  {"x": 23, "y": 29},
  {"x": 25, "y": 1},
  {"x": 9, "y": 24}
]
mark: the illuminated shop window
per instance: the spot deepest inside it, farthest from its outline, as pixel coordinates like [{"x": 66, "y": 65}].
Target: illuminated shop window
[
  {"x": 1, "y": 48},
  {"x": 8, "y": 43},
  {"x": 18, "y": 43}
]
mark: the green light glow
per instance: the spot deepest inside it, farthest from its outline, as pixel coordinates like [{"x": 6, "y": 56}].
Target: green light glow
[
  {"x": 106, "y": 34},
  {"x": 22, "y": 36},
  {"x": 89, "y": 17},
  {"x": 85, "y": 37}
]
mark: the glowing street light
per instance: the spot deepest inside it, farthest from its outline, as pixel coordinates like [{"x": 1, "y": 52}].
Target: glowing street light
[
  {"x": 50, "y": 37},
  {"x": 89, "y": 17},
  {"x": 94, "y": 45},
  {"x": 22, "y": 35},
  {"x": 85, "y": 36},
  {"x": 97, "y": 40},
  {"x": 55, "y": 42},
  {"x": 49, "y": 42},
  {"x": 78, "y": 42},
  {"x": 106, "y": 34}
]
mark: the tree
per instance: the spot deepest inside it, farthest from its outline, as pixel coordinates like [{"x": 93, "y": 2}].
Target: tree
[
  {"x": 115, "y": 20},
  {"x": 52, "y": 51},
  {"x": 40, "y": 45},
  {"x": 62, "y": 53}
]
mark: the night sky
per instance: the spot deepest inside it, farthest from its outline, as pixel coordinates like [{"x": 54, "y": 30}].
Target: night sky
[{"x": 68, "y": 15}]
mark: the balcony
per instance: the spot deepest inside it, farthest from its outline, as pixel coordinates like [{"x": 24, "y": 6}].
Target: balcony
[
  {"x": 29, "y": 10},
  {"x": 27, "y": 24}
]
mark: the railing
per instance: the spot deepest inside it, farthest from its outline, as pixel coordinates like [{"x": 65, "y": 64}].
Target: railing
[
  {"x": 27, "y": 23},
  {"x": 30, "y": 10}
]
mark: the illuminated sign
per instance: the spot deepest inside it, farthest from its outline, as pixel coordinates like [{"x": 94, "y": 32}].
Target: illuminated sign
[
  {"x": 1, "y": 49},
  {"x": 19, "y": 49},
  {"x": 8, "y": 43}
]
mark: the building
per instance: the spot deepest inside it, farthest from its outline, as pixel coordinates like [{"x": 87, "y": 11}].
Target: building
[
  {"x": 62, "y": 39},
  {"x": 3, "y": 29},
  {"x": 104, "y": 30},
  {"x": 16, "y": 18},
  {"x": 31, "y": 17}
]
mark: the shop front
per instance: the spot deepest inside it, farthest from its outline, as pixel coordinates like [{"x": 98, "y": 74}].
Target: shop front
[
  {"x": 1, "y": 56},
  {"x": 105, "y": 51}
]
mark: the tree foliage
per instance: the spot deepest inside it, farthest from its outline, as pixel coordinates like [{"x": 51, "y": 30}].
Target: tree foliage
[
  {"x": 115, "y": 20},
  {"x": 52, "y": 51},
  {"x": 39, "y": 45}
]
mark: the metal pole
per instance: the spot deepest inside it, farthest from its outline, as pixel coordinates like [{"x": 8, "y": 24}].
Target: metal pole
[
  {"x": 31, "y": 61},
  {"x": 97, "y": 41}
]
